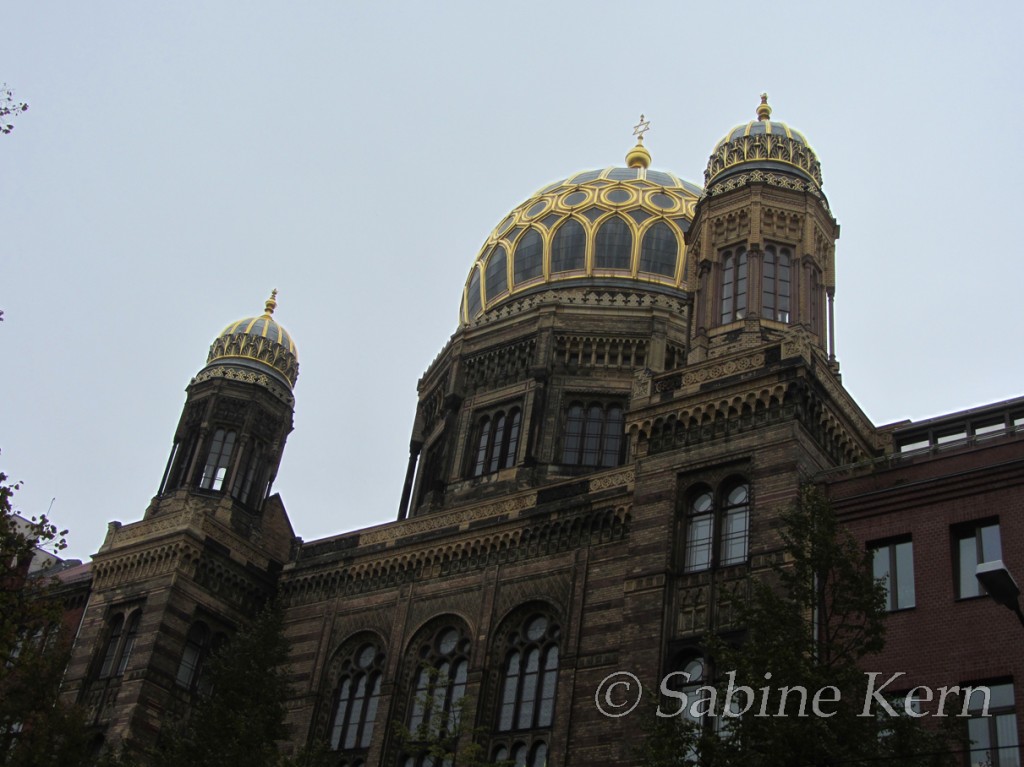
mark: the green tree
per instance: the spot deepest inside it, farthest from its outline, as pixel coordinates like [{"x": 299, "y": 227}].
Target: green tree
[
  {"x": 9, "y": 109},
  {"x": 241, "y": 719},
  {"x": 36, "y": 728},
  {"x": 812, "y": 625}
]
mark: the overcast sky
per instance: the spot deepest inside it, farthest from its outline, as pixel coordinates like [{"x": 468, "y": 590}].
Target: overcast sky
[{"x": 180, "y": 160}]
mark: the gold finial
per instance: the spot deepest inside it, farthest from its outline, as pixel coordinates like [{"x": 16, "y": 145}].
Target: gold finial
[
  {"x": 763, "y": 110},
  {"x": 638, "y": 156},
  {"x": 271, "y": 303}
]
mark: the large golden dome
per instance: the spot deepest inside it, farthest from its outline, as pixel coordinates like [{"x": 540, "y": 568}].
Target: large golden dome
[
  {"x": 598, "y": 228},
  {"x": 255, "y": 349},
  {"x": 761, "y": 148}
]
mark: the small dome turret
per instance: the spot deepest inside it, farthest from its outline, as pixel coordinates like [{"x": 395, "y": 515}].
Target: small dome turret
[
  {"x": 256, "y": 349},
  {"x": 760, "y": 148}
]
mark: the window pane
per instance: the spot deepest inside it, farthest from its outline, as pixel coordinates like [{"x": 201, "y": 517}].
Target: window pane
[
  {"x": 904, "y": 575},
  {"x": 371, "y": 713},
  {"x": 612, "y": 437},
  {"x": 496, "y": 278},
  {"x": 496, "y": 442},
  {"x": 990, "y": 546},
  {"x": 592, "y": 435},
  {"x": 613, "y": 245},
  {"x": 568, "y": 247},
  {"x": 734, "y": 536},
  {"x": 473, "y": 295},
  {"x": 508, "y": 694},
  {"x": 659, "y": 251},
  {"x": 573, "y": 434},
  {"x": 513, "y": 439},
  {"x": 698, "y": 543},
  {"x": 1006, "y": 736},
  {"x": 968, "y": 561},
  {"x": 528, "y": 262}
]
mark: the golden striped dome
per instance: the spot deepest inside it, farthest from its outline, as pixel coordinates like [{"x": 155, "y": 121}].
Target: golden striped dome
[
  {"x": 606, "y": 228},
  {"x": 255, "y": 347},
  {"x": 762, "y": 147}
]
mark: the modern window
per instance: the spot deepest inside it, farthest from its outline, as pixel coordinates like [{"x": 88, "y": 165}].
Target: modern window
[
  {"x": 613, "y": 245},
  {"x": 775, "y": 283},
  {"x": 529, "y": 261},
  {"x": 356, "y": 698},
  {"x": 218, "y": 460},
  {"x": 734, "y": 285},
  {"x": 593, "y": 434},
  {"x": 569, "y": 247},
  {"x": 122, "y": 633},
  {"x": 435, "y": 708},
  {"x": 893, "y": 564},
  {"x": 496, "y": 441},
  {"x": 994, "y": 737},
  {"x": 496, "y": 276},
  {"x": 717, "y": 526},
  {"x": 974, "y": 543}
]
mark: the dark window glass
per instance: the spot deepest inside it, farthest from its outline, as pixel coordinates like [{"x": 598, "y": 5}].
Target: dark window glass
[
  {"x": 613, "y": 246},
  {"x": 440, "y": 685},
  {"x": 662, "y": 179},
  {"x": 593, "y": 435},
  {"x": 513, "y": 439},
  {"x": 574, "y": 199},
  {"x": 619, "y": 196},
  {"x": 218, "y": 460},
  {"x": 496, "y": 443},
  {"x": 735, "y": 521},
  {"x": 893, "y": 564},
  {"x": 356, "y": 699},
  {"x": 993, "y": 733},
  {"x": 589, "y": 175},
  {"x": 775, "y": 283},
  {"x": 639, "y": 215},
  {"x": 717, "y": 527},
  {"x": 473, "y": 304},
  {"x": 699, "y": 532},
  {"x": 245, "y": 479},
  {"x": 660, "y": 250},
  {"x": 663, "y": 201},
  {"x": 482, "y": 443},
  {"x": 536, "y": 208},
  {"x": 975, "y": 544},
  {"x": 496, "y": 277},
  {"x": 529, "y": 261},
  {"x": 593, "y": 214},
  {"x": 624, "y": 174},
  {"x": 734, "y": 285},
  {"x": 568, "y": 247},
  {"x": 114, "y": 632},
  {"x": 192, "y": 657},
  {"x": 530, "y": 676}
]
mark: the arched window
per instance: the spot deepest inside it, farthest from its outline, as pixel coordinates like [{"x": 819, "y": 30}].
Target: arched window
[
  {"x": 526, "y": 708},
  {"x": 435, "y": 707},
  {"x": 473, "y": 304},
  {"x": 717, "y": 526},
  {"x": 356, "y": 698},
  {"x": 568, "y": 247},
  {"x": 593, "y": 434},
  {"x": 613, "y": 246},
  {"x": 218, "y": 460},
  {"x": 734, "y": 285},
  {"x": 245, "y": 480},
  {"x": 659, "y": 251},
  {"x": 528, "y": 262},
  {"x": 775, "y": 283},
  {"x": 197, "y": 645},
  {"x": 121, "y": 635},
  {"x": 496, "y": 276},
  {"x": 496, "y": 441}
]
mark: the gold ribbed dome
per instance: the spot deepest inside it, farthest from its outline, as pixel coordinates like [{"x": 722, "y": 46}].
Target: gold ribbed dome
[
  {"x": 762, "y": 147},
  {"x": 254, "y": 348},
  {"x": 606, "y": 228}
]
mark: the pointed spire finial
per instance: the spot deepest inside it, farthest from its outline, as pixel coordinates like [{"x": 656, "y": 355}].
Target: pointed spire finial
[
  {"x": 638, "y": 156},
  {"x": 763, "y": 110},
  {"x": 271, "y": 303}
]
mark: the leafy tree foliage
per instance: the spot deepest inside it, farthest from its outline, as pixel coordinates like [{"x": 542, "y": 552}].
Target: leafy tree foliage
[
  {"x": 36, "y": 728},
  {"x": 9, "y": 109},
  {"x": 241, "y": 719},
  {"x": 813, "y": 625}
]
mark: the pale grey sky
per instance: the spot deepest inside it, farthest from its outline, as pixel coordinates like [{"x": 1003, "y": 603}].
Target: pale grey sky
[{"x": 179, "y": 160}]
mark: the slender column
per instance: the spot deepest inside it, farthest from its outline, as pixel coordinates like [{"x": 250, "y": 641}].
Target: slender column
[
  {"x": 410, "y": 472},
  {"x": 831, "y": 325}
]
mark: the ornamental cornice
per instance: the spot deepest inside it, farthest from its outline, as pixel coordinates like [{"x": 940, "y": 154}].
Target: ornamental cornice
[
  {"x": 246, "y": 375},
  {"x": 779, "y": 180},
  {"x": 763, "y": 148},
  {"x": 612, "y": 297}
]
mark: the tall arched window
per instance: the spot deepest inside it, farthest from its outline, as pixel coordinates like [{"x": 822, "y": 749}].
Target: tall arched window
[
  {"x": 528, "y": 689},
  {"x": 659, "y": 251},
  {"x": 734, "y": 285},
  {"x": 122, "y": 632},
  {"x": 529, "y": 261},
  {"x": 593, "y": 434},
  {"x": 356, "y": 699},
  {"x": 775, "y": 283},
  {"x": 435, "y": 708},
  {"x": 496, "y": 276},
  {"x": 218, "y": 460},
  {"x": 717, "y": 526},
  {"x": 613, "y": 246},
  {"x": 496, "y": 441},
  {"x": 245, "y": 480},
  {"x": 568, "y": 247}
]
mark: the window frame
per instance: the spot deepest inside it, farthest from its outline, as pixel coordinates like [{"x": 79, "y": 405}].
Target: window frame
[
  {"x": 895, "y": 577},
  {"x": 776, "y": 291},
  {"x": 353, "y": 717},
  {"x": 496, "y": 438},
  {"x": 597, "y": 435},
  {"x": 996, "y": 712},
  {"x": 711, "y": 508},
  {"x": 959, "y": 535},
  {"x": 734, "y": 285}
]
